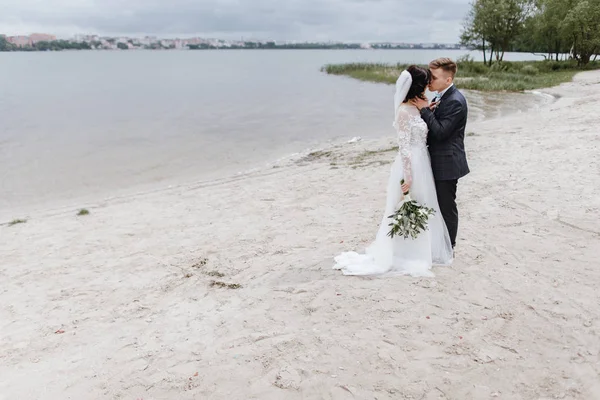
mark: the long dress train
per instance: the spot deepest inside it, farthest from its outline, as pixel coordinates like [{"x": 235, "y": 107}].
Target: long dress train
[{"x": 399, "y": 255}]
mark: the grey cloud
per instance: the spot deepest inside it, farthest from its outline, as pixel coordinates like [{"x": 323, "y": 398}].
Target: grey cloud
[{"x": 358, "y": 20}]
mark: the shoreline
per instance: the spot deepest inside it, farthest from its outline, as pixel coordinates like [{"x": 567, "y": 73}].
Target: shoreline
[
  {"x": 228, "y": 291},
  {"x": 28, "y": 50},
  {"x": 506, "y": 76},
  {"x": 62, "y": 206}
]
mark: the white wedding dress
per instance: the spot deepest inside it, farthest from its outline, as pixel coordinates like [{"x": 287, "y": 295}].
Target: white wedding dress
[{"x": 399, "y": 255}]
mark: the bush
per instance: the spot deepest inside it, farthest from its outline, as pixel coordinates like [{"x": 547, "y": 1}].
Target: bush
[
  {"x": 530, "y": 70},
  {"x": 509, "y": 66},
  {"x": 466, "y": 66},
  {"x": 467, "y": 59},
  {"x": 560, "y": 65},
  {"x": 498, "y": 67},
  {"x": 480, "y": 68}
]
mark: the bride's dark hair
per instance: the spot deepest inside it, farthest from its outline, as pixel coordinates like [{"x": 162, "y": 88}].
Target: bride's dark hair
[{"x": 420, "y": 79}]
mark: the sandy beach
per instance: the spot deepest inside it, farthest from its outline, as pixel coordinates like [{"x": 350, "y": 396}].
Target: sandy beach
[{"x": 226, "y": 290}]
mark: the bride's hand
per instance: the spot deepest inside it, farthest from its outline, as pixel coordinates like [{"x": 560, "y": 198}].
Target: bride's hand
[{"x": 406, "y": 186}]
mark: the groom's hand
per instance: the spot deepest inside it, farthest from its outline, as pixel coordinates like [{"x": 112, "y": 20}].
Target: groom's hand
[{"x": 419, "y": 103}]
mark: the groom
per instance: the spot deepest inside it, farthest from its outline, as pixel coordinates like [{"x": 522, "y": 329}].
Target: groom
[{"x": 446, "y": 118}]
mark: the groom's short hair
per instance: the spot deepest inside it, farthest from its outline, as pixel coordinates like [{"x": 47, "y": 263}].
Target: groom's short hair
[{"x": 445, "y": 64}]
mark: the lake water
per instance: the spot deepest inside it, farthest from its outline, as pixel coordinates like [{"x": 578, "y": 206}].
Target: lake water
[{"x": 92, "y": 125}]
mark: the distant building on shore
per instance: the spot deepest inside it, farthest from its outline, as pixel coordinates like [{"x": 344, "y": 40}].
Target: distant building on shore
[
  {"x": 21, "y": 41},
  {"x": 41, "y": 37},
  {"x": 96, "y": 42},
  {"x": 86, "y": 38}
]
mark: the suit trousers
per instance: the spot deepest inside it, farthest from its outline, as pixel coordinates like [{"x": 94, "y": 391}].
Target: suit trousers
[{"x": 446, "y": 194}]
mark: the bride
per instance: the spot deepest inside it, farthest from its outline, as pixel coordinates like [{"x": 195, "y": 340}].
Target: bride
[{"x": 398, "y": 255}]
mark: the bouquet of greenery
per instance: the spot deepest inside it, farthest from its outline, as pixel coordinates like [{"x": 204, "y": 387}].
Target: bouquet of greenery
[{"x": 410, "y": 218}]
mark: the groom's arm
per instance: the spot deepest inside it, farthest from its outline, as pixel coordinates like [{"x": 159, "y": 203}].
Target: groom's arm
[{"x": 441, "y": 128}]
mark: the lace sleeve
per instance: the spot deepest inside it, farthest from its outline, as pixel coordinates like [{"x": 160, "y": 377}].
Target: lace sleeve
[{"x": 403, "y": 129}]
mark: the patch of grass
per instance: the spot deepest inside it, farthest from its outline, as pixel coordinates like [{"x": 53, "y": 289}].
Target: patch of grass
[
  {"x": 83, "y": 211},
  {"x": 216, "y": 274},
  {"x": 377, "y": 163},
  {"x": 16, "y": 222},
  {"x": 316, "y": 155},
  {"x": 310, "y": 310},
  {"x": 224, "y": 285},
  {"x": 384, "y": 73},
  {"x": 505, "y": 76},
  {"x": 201, "y": 263},
  {"x": 368, "y": 154}
]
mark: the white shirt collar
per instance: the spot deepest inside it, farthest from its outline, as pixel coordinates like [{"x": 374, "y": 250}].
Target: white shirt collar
[{"x": 441, "y": 94}]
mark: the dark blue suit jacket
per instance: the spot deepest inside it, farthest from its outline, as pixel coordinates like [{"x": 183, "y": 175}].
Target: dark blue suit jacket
[{"x": 446, "y": 139}]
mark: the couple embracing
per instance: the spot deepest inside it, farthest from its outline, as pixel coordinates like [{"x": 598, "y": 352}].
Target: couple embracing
[{"x": 430, "y": 160}]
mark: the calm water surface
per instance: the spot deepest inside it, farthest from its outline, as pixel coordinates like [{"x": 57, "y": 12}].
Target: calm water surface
[{"x": 97, "y": 124}]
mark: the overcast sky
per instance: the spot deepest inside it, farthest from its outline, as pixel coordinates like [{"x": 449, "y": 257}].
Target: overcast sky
[{"x": 305, "y": 20}]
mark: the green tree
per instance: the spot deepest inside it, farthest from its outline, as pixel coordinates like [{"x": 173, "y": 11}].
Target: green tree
[
  {"x": 472, "y": 36},
  {"x": 560, "y": 27},
  {"x": 582, "y": 26},
  {"x": 43, "y": 46},
  {"x": 547, "y": 25},
  {"x": 496, "y": 23},
  {"x": 5, "y": 45},
  {"x": 122, "y": 46}
]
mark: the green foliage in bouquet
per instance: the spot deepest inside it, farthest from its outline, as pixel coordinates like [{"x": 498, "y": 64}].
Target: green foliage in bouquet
[{"x": 410, "y": 219}]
